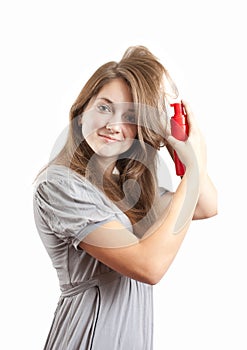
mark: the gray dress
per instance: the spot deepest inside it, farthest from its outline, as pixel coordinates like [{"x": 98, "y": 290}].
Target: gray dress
[{"x": 98, "y": 308}]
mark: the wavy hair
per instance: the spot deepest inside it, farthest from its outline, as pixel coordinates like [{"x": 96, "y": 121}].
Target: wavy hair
[{"x": 145, "y": 76}]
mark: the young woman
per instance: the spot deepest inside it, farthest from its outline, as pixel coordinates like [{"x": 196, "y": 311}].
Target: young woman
[{"x": 108, "y": 228}]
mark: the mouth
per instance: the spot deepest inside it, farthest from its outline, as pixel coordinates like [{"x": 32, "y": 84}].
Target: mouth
[{"x": 108, "y": 138}]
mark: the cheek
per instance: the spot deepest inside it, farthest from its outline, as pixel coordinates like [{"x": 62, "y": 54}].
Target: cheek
[
  {"x": 130, "y": 131},
  {"x": 90, "y": 125}
]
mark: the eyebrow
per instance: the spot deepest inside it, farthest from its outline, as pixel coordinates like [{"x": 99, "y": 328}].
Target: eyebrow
[
  {"x": 111, "y": 102},
  {"x": 104, "y": 98}
]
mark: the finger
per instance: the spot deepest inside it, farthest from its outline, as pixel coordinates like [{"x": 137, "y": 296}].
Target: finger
[
  {"x": 175, "y": 143},
  {"x": 187, "y": 107},
  {"x": 190, "y": 115}
]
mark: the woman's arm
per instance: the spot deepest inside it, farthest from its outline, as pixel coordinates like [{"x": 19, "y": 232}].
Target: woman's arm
[
  {"x": 148, "y": 259},
  {"x": 207, "y": 202},
  {"x": 206, "y": 206}
]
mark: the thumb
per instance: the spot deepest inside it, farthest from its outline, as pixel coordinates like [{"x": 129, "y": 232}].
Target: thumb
[{"x": 175, "y": 143}]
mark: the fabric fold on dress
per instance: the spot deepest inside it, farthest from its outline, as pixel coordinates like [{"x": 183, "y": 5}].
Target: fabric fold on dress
[{"x": 98, "y": 308}]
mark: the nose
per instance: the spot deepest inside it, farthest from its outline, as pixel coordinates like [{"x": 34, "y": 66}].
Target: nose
[{"x": 115, "y": 123}]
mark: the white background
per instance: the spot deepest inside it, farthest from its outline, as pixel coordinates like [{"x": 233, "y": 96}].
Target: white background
[{"x": 48, "y": 51}]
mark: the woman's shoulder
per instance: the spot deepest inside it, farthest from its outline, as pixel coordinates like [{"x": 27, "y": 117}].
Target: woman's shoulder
[
  {"x": 61, "y": 174},
  {"x": 60, "y": 179}
]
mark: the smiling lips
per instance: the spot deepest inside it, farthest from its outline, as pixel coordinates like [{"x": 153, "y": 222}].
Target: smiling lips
[{"x": 109, "y": 139}]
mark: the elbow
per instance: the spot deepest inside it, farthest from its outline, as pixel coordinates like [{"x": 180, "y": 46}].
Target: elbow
[
  {"x": 150, "y": 267},
  {"x": 205, "y": 214},
  {"x": 152, "y": 280},
  {"x": 212, "y": 213},
  {"x": 154, "y": 274},
  {"x": 147, "y": 275}
]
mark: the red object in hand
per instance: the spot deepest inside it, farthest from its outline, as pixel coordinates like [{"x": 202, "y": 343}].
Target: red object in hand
[{"x": 180, "y": 130}]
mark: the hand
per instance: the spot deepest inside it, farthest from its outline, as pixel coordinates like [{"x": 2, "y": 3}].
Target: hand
[{"x": 191, "y": 152}]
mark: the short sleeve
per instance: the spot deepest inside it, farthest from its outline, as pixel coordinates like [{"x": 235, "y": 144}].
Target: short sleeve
[
  {"x": 71, "y": 206},
  {"x": 162, "y": 191}
]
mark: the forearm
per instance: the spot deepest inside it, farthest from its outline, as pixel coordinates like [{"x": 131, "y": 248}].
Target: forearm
[
  {"x": 207, "y": 202},
  {"x": 162, "y": 242},
  {"x": 147, "y": 259}
]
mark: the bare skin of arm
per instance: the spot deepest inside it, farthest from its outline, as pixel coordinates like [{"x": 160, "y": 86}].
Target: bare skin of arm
[{"x": 148, "y": 259}]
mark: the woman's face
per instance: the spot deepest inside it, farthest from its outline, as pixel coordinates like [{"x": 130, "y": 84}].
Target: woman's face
[{"x": 109, "y": 121}]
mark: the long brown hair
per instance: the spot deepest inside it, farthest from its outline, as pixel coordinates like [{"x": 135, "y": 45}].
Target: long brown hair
[{"x": 145, "y": 75}]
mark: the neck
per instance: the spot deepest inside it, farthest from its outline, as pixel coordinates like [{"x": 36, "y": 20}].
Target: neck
[{"x": 105, "y": 165}]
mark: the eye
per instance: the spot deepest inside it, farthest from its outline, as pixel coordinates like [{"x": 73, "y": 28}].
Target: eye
[
  {"x": 104, "y": 108},
  {"x": 130, "y": 118}
]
